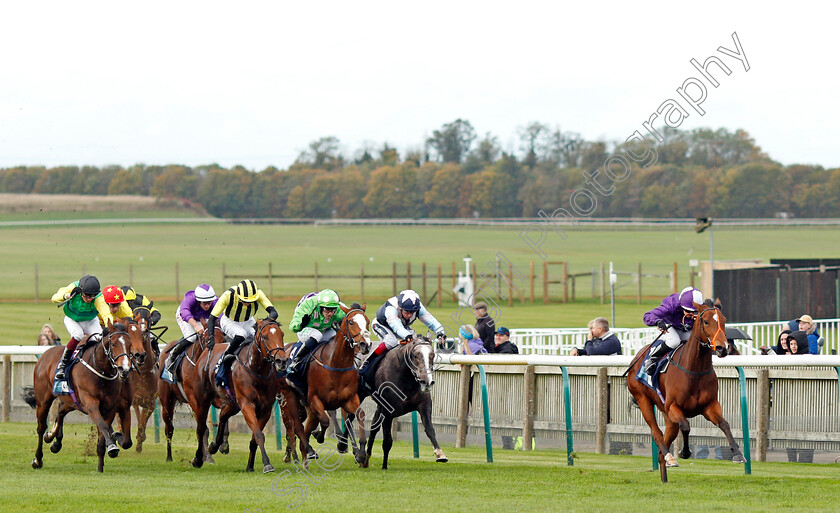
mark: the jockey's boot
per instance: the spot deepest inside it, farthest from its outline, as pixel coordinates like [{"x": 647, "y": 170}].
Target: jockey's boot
[
  {"x": 65, "y": 359},
  {"x": 304, "y": 350},
  {"x": 655, "y": 355},
  {"x": 229, "y": 353},
  {"x": 179, "y": 348}
]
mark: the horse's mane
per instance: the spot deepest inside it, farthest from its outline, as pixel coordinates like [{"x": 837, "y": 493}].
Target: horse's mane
[{"x": 709, "y": 302}]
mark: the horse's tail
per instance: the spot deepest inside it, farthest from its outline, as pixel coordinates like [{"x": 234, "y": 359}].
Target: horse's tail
[{"x": 29, "y": 396}]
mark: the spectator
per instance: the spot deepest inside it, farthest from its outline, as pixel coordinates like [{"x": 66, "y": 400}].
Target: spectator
[
  {"x": 503, "y": 344},
  {"x": 603, "y": 342},
  {"x": 48, "y": 337},
  {"x": 470, "y": 341},
  {"x": 486, "y": 326},
  {"x": 781, "y": 346},
  {"x": 798, "y": 342},
  {"x": 806, "y": 323}
]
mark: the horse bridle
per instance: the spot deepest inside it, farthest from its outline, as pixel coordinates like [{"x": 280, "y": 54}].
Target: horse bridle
[
  {"x": 709, "y": 343},
  {"x": 407, "y": 356},
  {"x": 261, "y": 339},
  {"x": 109, "y": 355},
  {"x": 344, "y": 330}
]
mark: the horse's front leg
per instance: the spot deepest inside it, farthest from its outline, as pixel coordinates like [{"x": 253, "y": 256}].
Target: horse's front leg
[
  {"x": 426, "y": 416},
  {"x": 677, "y": 417},
  {"x": 318, "y": 415},
  {"x": 714, "y": 414},
  {"x": 648, "y": 412},
  {"x": 104, "y": 427},
  {"x": 350, "y": 408},
  {"x": 143, "y": 415},
  {"x": 374, "y": 429},
  {"x": 249, "y": 411},
  {"x": 125, "y": 427}
]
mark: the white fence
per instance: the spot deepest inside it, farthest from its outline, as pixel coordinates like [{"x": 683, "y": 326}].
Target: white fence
[{"x": 560, "y": 341}]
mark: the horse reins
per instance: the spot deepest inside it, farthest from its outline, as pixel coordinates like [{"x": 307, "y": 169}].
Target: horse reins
[
  {"x": 351, "y": 341},
  {"x": 706, "y": 345},
  {"x": 260, "y": 339}
]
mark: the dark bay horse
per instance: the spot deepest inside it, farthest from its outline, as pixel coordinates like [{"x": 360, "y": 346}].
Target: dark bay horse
[
  {"x": 253, "y": 389},
  {"x": 402, "y": 384},
  {"x": 141, "y": 390},
  {"x": 97, "y": 380},
  {"x": 332, "y": 382},
  {"x": 690, "y": 386},
  {"x": 171, "y": 394}
]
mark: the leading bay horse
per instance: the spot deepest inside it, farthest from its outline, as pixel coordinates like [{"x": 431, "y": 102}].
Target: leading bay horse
[
  {"x": 332, "y": 382},
  {"x": 690, "y": 386},
  {"x": 140, "y": 392},
  {"x": 253, "y": 389},
  {"x": 402, "y": 384},
  {"x": 97, "y": 380}
]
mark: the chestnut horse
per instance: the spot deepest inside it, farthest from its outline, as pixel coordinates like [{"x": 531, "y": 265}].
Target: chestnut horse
[
  {"x": 332, "y": 382},
  {"x": 253, "y": 387},
  {"x": 141, "y": 390},
  {"x": 171, "y": 394},
  {"x": 95, "y": 381},
  {"x": 689, "y": 386}
]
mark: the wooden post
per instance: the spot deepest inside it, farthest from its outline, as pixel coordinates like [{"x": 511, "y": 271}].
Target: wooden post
[
  {"x": 639, "y": 296},
  {"x": 394, "y": 277},
  {"x": 602, "y": 406},
  {"x": 316, "y": 275},
  {"x": 510, "y": 285},
  {"x": 454, "y": 297},
  {"x": 565, "y": 282},
  {"x": 545, "y": 283},
  {"x": 532, "y": 281},
  {"x": 439, "y": 288},
  {"x": 574, "y": 285},
  {"x": 762, "y": 410},
  {"x": 130, "y": 275},
  {"x": 529, "y": 384},
  {"x": 474, "y": 277},
  {"x": 224, "y": 275},
  {"x": 177, "y": 283},
  {"x": 362, "y": 281},
  {"x": 602, "y": 283},
  {"x": 675, "y": 278},
  {"x": 463, "y": 407},
  {"x": 408, "y": 275},
  {"x": 270, "y": 286},
  {"x": 423, "y": 267},
  {"x": 36, "y": 283},
  {"x": 7, "y": 387}
]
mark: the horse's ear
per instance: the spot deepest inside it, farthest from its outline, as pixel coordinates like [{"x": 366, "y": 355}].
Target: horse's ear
[
  {"x": 717, "y": 302},
  {"x": 110, "y": 325},
  {"x": 364, "y": 306},
  {"x": 697, "y": 307},
  {"x": 344, "y": 308}
]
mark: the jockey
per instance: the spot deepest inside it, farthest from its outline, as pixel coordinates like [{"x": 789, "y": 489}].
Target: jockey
[
  {"x": 81, "y": 306},
  {"x": 236, "y": 307},
  {"x": 393, "y": 321},
  {"x": 675, "y": 318},
  {"x": 114, "y": 301},
  {"x": 195, "y": 306},
  {"x": 314, "y": 319},
  {"x": 139, "y": 302}
]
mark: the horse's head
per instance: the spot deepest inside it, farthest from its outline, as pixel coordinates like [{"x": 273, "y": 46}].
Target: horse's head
[
  {"x": 124, "y": 344},
  {"x": 269, "y": 339},
  {"x": 710, "y": 326},
  {"x": 355, "y": 325},
  {"x": 141, "y": 317},
  {"x": 420, "y": 357}
]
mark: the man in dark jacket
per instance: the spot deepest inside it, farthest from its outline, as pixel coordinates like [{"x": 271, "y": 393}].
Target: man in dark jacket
[
  {"x": 486, "y": 327},
  {"x": 602, "y": 342},
  {"x": 503, "y": 344}
]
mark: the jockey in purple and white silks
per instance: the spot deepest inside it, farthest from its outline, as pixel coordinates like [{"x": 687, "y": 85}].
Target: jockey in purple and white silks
[
  {"x": 675, "y": 317},
  {"x": 393, "y": 323}
]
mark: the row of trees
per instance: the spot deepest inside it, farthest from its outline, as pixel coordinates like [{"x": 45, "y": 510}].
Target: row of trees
[{"x": 697, "y": 173}]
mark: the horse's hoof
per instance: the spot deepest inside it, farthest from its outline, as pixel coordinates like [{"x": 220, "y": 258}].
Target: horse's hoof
[
  {"x": 127, "y": 444},
  {"x": 341, "y": 447},
  {"x": 311, "y": 454},
  {"x": 55, "y": 447},
  {"x": 685, "y": 454},
  {"x": 169, "y": 459},
  {"x": 738, "y": 459},
  {"x": 213, "y": 448},
  {"x": 37, "y": 464},
  {"x": 670, "y": 461},
  {"x": 249, "y": 469},
  {"x": 442, "y": 459},
  {"x": 224, "y": 448},
  {"x": 197, "y": 463},
  {"x": 287, "y": 459},
  {"x": 118, "y": 437},
  {"x": 209, "y": 459},
  {"x": 139, "y": 447},
  {"x": 48, "y": 438},
  {"x": 113, "y": 451},
  {"x": 267, "y": 469}
]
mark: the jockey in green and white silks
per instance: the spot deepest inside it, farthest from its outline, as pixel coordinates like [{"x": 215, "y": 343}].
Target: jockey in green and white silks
[
  {"x": 315, "y": 315},
  {"x": 393, "y": 323}
]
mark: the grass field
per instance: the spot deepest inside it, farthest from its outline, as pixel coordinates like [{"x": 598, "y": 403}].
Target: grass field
[
  {"x": 524, "y": 481},
  {"x": 146, "y": 255}
]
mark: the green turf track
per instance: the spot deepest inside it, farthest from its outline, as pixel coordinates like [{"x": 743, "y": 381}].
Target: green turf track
[{"x": 515, "y": 481}]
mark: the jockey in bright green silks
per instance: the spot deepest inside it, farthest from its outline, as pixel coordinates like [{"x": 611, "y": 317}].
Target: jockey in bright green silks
[{"x": 315, "y": 318}]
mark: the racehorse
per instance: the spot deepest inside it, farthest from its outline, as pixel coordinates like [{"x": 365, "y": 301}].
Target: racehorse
[
  {"x": 690, "y": 386},
  {"x": 170, "y": 394},
  {"x": 332, "y": 382},
  {"x": 142, "y": 388},
  {"x": 95, "y": 382},
  {"x": 408, "y": 372},
  {"x": 253, "y": 388}
]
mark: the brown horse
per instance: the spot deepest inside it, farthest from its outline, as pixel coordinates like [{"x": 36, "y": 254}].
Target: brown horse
[
  {"x": 141, "y": 390},
  {"x": 97, "y": 380},
  {"x": 171, "y": 394},
  {"x": 690, "y": 387},
  {"x": 332, "y": 382},
  {"x": 253, "y": 385}
]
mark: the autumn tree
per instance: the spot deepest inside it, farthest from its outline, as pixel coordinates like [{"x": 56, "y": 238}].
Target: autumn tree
[{"x": 452, "y": 142}]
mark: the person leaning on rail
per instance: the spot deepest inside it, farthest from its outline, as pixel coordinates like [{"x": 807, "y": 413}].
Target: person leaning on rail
[
  {"x": 503, "y": 343},
  {"x": 603, "y": 341}
]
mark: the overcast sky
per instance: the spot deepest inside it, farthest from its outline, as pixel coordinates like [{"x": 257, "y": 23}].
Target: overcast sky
[{"x": 253, "y": 83}]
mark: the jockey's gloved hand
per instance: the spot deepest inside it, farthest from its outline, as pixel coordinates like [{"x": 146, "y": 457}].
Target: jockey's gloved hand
[
  {"x": 272, "y": 313},
  {"x": 211, "y": 327},
  {"x": 662, "y": 325},
  {"x": 409, "y": 337},
  {"x": 305, "y": 320},
  {"x": 441, "y": 337},
  {"x": 154, "y": 318}
]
